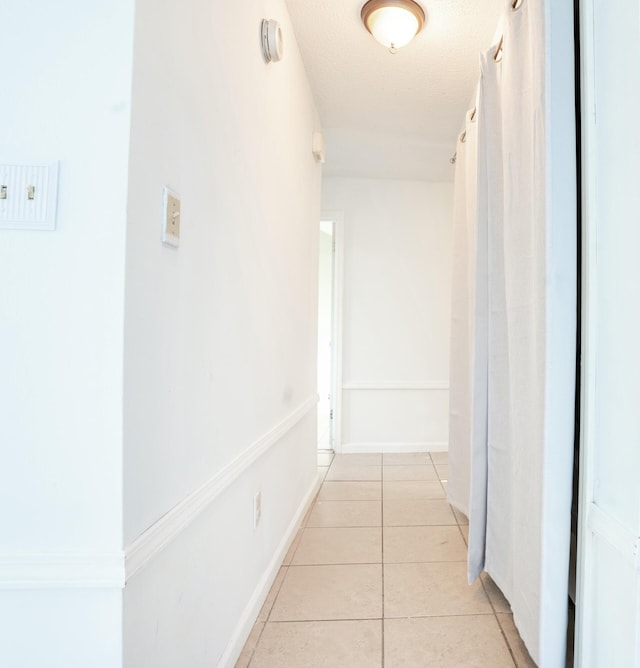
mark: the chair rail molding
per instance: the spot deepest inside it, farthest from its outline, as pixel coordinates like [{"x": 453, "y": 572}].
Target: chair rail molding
[
  {"x": 93, "y": 569},
  {"x": 170, "y": 525}
]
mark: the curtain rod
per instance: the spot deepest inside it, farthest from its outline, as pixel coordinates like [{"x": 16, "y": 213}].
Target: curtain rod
[{"x": 497, "y": 56}]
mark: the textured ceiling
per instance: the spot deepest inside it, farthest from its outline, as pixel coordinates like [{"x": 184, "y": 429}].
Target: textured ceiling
[{"x": 393, "y": 116}]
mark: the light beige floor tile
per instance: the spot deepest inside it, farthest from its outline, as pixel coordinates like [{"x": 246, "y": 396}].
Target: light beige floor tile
[
  {"x": 464, "y": 528},
  {"x": 350, "y": 491},
  {"x": 445, "y": 642},
  {"x": 496, "y": 597},
  {"x": 520, "y": 653},
  {"x": 406, "y": 459},
  {"x": 423, "y": 543},
  {"x": 415, "y": 512},
  {"x": 273, "y": 593},
  {"x": 292, "y": 549},
  {"x": 436, "y": 589},
  {"x": 307, "y": 515},
  {"x": 414, "y": 472},
  {"x": 340, "y": 546},
  {"x": 443, "y": 472},
  {"x": 330, "y": 592},
  {"x": 412, "y": 489},
  {"x": 348, "y": 644},
  {"x": 346, "y": 514},
  {"x": 366, "y": 459},
  {"x": 354, "y": 472},
  {"x": 460, "y": 516},
  {"x": 249, "y": 646},
  {"x": 440, "y": 457}
]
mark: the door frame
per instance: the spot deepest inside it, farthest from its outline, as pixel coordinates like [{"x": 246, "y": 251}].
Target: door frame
[
  {"x": 594, "y": 524},
  {"x": 588, "y": 343},
  {"x": 337, "y": 297}
]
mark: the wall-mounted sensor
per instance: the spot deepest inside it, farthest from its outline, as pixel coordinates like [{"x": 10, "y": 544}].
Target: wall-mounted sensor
[
  {"x": 271, "y": 40},
  {"x": 318, "y": 148}
]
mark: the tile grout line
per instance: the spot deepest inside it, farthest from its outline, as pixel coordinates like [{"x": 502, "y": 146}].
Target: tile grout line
[
  {"x": 389, "y": 526},
  {"x": 455, "y": 515},
  {"x": 374, "y": 563},
  {"x": 331, "y": 619},
  {"x": 484, "y": 589},
  {"x": 286, "y": 567},
  {"x": 375, "y": 619},
  {"x": 268, "y": 618},
  {"x": 495, "y": 615},
  {"x": 264, "y": 626},
  {"x": 433, "y": 464}
]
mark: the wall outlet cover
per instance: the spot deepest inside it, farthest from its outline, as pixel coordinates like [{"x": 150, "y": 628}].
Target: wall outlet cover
[{"x": 170, "y": 217}]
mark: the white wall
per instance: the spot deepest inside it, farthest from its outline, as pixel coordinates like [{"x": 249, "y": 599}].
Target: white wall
[
  {"x": 397, "y": 278},
  {"x": 66, "y": 90},
  {"x": 197, "y": 363},
  {"x": 220, "y": 334}
]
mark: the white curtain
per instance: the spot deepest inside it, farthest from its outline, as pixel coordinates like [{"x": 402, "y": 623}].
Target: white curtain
[
  {"x": 507, "y": 458},
  {"x": 462, "y": 308}
]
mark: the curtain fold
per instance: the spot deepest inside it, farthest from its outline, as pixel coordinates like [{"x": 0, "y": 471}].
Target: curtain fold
[
  {"x": 506, "y": 457},
  {"x": 489, "y": 311},
  {"x": 462, "y": 305}
]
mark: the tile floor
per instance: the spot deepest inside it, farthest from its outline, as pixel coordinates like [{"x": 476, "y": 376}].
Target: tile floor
[{"x": 376, "y": 577}]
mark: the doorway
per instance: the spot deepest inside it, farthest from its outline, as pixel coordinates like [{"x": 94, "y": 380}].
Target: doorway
[{"x": 329, "y": 331}]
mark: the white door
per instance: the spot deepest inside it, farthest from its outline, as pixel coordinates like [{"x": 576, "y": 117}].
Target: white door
[{"x": 608, "y": 603}]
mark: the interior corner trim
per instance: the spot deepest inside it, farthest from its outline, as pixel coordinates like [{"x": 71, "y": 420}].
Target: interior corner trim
[{"x": 154, "y": 539}]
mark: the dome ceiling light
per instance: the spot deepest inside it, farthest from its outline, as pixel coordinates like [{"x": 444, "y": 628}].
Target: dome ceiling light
[{"x": 393, "y": 23}]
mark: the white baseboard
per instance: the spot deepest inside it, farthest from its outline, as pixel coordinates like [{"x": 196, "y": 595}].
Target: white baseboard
[
  {"x": 381, "y": 385},
  {"x": 251, "y": 611},
  {"x": 392, "y": 448}
]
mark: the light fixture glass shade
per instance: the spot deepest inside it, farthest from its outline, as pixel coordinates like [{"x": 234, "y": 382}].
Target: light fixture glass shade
[{"x": 393, "y": 23}]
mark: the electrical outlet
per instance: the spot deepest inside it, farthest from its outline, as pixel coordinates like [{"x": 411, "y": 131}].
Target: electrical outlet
[
  {"x": 257, "y": 508},
  {"x": 170, "y": 218}
]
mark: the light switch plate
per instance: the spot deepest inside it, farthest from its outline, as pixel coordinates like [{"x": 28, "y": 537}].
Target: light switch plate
[
  {"x": 170, "y": 217},
  {"x": 28, "y": 196}
]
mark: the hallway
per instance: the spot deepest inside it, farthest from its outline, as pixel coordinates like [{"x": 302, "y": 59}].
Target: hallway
[{"x": 377, "y": 577}]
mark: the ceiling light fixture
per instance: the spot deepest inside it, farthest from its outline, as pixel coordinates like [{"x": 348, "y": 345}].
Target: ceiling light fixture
[{"x": 393, "y": 23}]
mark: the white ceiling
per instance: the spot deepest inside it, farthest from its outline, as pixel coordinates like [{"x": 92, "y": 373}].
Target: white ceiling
[{"x": 393, "y": 116}]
